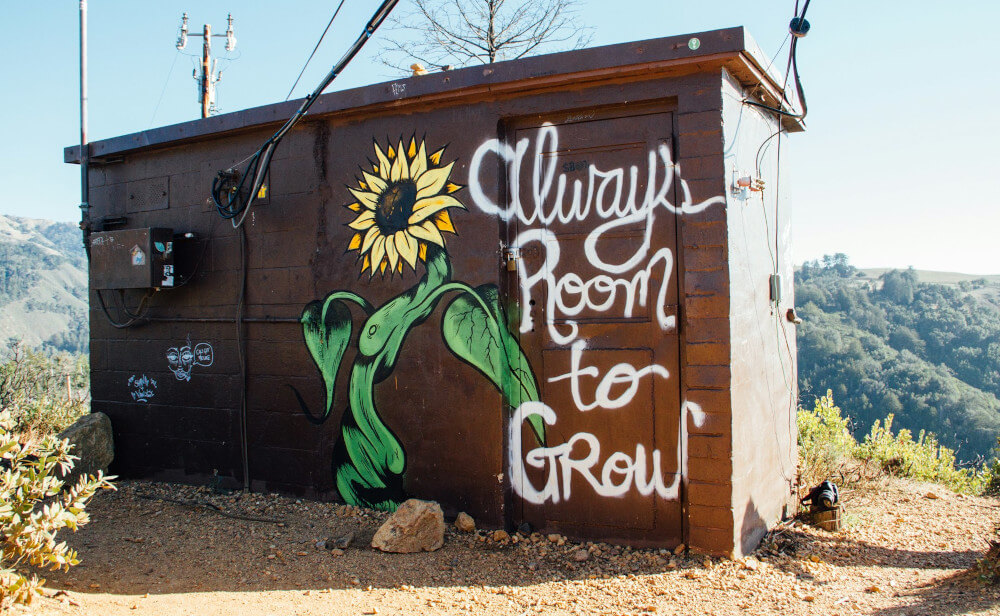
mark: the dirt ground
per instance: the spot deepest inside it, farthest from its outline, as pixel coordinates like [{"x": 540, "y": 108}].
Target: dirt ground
[{"x": 902, "y": 552}]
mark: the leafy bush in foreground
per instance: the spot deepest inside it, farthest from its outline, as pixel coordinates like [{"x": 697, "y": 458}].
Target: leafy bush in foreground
[{"x": 34, "y": 505}]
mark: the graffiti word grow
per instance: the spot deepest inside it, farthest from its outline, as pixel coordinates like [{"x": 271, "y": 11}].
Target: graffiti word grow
[{"x": 619, "y": 474}]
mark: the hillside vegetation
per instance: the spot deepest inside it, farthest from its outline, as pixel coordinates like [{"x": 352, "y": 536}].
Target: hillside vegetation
[
  {"x": 926, "y": 353},
  {"x": 43, "y": 284}
]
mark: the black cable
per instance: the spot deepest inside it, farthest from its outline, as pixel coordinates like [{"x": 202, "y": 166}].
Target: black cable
[
  {"x": 798, "y": 27},
  {"x": 227, "y": 188},
  {"x": 318, "y": 43},
  {"x": 211, "y": 507},
  {"x": 241, "y": 346},
  {"x": 133, "y": 318}
]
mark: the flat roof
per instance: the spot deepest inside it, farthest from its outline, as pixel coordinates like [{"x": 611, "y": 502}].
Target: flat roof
[{"x": 732, "y": 48}]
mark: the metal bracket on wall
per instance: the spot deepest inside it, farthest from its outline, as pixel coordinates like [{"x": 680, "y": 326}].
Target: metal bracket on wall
[{"x": 775, "y": 283}]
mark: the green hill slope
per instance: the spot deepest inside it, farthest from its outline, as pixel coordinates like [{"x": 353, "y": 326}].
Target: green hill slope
[
  {"x": 43, "y": 284},
  {"x": 927, "y": 352}
]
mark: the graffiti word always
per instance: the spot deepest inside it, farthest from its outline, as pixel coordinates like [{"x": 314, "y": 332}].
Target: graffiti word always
[
  {"x": 619, "y": 473},
  {"x": 182, "y": 360},
  {"x": 141, "y": 388},
  {"x": 620, "y": 374},
  {"x": 610, "y": 199},
  {"x": 606, "y": 193}
]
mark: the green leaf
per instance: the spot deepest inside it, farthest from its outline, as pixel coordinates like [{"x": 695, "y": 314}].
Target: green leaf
[
  {"x": 475, "y": 328},
  {"x": 326, "y": 326}
]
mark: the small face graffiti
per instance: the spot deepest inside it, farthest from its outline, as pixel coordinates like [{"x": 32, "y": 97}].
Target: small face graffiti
[{"x": 182, "y": 360}]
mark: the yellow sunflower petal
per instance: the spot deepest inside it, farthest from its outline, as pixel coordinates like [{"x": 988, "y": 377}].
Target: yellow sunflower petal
[
  {"x": 453, "y": 187},
  {"x": 443, "y": 221},
  {"x": 354, "y": 207},
  {"x": 378, "y": 252},
  {"x": 381, "y": 268},
  {"x": 391, "y": 252},
  {"x": 412, "y": 151},
  {"x": 392, "y": 152},
  {"x": 383, "y": 162},
  {"x": 362, "y": 185},
  {"x": 406, "y": 244},
  {"x": 356, "y": 241},
  {"x": 370, "y": 237},
  {"x": 364, "y": 220},
  {"x": 366, "y": 199},
  {"x": 400, "y": 168},
  {"x": 419, "y": 165},
  {"x": 423, "y": 252},
  {"x": 427, "y": 231},
  {"x": 436, "y": 156},
  {"x": 432, "y": 181},
  {"x": 424, "y": 208},
  {"x": 366, "y": 264},
  {"x": 377, "y": 183}
]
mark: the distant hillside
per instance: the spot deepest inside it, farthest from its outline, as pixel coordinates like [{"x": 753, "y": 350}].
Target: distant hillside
[
  {"x": 928, "y": 352},
  {"x": 43, "y": 284},
  {"x": 953, "y": 278}
]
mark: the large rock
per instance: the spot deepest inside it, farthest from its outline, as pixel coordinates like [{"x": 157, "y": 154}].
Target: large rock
[
  {"x": 92, "y": 443},
  {"x": 417, "y": 526}
]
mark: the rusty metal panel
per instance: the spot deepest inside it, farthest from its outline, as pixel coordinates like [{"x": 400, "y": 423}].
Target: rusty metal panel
[
  {"x": 596, "y": 281},
  {"x": 132, "y": 259}
]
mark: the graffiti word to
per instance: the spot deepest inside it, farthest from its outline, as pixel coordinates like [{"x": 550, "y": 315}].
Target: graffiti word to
[
  {"x": 620, "y": 374},
  {"x": 141, "y": 388},
  {"x": 619, "y": 473},
  {"x": 182, "y": 360}
]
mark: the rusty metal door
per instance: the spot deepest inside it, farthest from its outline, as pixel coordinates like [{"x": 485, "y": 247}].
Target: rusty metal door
[{"x": 592, "y": 239}]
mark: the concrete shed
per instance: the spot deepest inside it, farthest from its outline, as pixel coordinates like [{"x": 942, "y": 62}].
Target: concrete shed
[{"x": 552, "y": 291}]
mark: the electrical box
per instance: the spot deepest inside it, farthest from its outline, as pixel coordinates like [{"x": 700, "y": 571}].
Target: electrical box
[{"x": 132, "y": 259}]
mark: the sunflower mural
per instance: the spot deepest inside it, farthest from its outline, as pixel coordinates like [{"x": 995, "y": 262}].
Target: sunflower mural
[
  {"x": 401, "y": 213},
  {"x": 402, "y": 208}
]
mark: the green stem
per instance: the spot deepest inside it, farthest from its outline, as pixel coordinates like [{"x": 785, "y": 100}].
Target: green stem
[{"x": 369, "y": 460}]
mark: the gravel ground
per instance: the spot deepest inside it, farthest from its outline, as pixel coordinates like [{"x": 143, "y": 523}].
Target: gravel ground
[{"x": 906, "y": 549}]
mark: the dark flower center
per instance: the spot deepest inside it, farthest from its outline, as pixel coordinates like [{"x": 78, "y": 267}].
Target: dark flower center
[{"x": 395, "y": 206}]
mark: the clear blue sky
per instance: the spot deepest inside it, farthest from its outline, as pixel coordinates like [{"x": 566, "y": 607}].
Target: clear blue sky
[{"x": 897, "y": 168}]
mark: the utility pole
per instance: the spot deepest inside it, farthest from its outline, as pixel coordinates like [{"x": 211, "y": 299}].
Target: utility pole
[{"x": 209, "y": 74}]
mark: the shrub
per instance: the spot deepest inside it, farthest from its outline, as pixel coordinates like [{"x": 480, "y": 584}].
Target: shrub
[
  {"x": 924, "y": 458},
  {"x": 44, "y": 393},
  {"x": 34, "y": 505},
  {"x": 826, "y": 448},
  {"x": 825, "y": 441}
]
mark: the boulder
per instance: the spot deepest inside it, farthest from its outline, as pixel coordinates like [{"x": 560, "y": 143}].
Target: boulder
[
  {"x": 417, "y": 526},
  {"x": 92, "y": 443}
]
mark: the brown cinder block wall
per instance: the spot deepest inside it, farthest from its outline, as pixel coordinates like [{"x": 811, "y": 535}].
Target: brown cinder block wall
[{"x": 700, "y": 451}]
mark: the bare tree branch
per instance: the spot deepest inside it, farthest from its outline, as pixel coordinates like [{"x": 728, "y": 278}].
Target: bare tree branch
[{"x": 438, "y": 33}]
